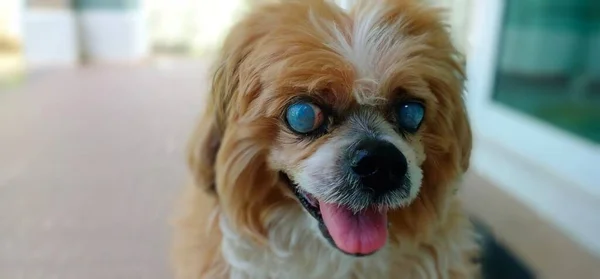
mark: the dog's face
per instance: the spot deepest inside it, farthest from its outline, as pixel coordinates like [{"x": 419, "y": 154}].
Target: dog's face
[{"x": 356, "y": 117}]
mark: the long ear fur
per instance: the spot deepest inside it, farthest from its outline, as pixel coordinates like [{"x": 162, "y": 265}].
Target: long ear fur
[
  {"x": 247, "y": 187},
  {"x": 221, "y": 106},
  {"x": 228, "y": 152},
  {"x": 206, "y": 139},
  {"x": 202, "y": 150},
  {"x": 462, "y": 128}
]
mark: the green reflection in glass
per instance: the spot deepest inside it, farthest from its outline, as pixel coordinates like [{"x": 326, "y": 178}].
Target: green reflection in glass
[
  {"x": 549, "y": 63},
  {"x": 106, "y": 4}
]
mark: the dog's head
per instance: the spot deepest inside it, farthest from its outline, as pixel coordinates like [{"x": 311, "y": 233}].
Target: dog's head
[{"x": 357, "y": 117}]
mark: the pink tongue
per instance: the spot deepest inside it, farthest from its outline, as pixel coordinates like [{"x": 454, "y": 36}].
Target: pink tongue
[{"x": 361, "y": 233}]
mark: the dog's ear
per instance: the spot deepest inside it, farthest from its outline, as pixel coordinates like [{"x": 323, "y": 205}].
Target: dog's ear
[
  {"x": 221, "y": 106},
  {"x": 203, "y": 148},
  {"x": 228, "y": 152},
  {"x": 206, "y": 139},
  {"x": 462, "y": 128}
]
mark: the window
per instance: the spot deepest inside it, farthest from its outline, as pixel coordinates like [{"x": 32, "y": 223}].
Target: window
[
  {"x": 548, "y": 63},
  {"x": 532, "y": 91}
]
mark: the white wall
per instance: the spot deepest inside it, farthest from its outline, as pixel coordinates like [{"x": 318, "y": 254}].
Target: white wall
[
  {"x": 50, "y": 38},
  {"x": 113, "y": 36}
]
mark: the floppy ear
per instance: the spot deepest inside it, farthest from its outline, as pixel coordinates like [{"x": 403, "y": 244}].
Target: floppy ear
[
  {"x": 228, "y": 152},
  {"x": 462, "y": 129},
  {"x": 223, "y": 102},
  {"x": 460, "y": 125},
  {"x": 248, "y": 188},
  {"x": 202, "y": 152},
  {"x": 206, "y": 139}
]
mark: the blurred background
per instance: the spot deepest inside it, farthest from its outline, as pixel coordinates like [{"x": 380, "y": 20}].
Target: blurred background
[{"x": 97, "y": 99}]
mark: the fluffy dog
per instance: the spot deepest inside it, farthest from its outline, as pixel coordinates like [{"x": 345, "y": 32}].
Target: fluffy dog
[{"x": 332, "y": 146}]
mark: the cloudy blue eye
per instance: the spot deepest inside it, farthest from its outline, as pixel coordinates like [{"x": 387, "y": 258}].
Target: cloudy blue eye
[
  {"x": 410, "y": 115},
  {"x": 304, "y": 117}
]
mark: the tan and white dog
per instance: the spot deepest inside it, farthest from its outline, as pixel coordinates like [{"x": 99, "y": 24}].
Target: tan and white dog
[{"x": 332, "y": 146}]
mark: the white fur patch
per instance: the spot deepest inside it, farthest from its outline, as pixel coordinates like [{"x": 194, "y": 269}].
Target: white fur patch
[{"x": 321, "y": 170}]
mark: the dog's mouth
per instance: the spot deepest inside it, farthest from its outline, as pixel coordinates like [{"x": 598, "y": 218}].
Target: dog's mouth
[{"x": 354, "y": 233}]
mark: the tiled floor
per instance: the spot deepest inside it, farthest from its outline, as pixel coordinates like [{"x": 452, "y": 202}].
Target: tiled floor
[{"x": 90, "y": 163}]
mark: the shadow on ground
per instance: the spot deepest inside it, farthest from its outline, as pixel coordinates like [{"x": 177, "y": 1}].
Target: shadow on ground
[{"x": 497, "y": 261}]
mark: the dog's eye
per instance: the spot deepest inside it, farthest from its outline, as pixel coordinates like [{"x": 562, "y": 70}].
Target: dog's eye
[
  {"x": 304, "y": 117},
  {"x": 410, "y": 115}
]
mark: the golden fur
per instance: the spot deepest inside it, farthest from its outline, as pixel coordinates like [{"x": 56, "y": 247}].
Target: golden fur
[{"x": 377, "y": 52}]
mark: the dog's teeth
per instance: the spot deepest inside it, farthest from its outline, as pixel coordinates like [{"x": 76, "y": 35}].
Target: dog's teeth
[{"x": 310, "y": 199}]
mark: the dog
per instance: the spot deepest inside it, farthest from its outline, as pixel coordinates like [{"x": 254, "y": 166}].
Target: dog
[{"x": 332, "y": 145}]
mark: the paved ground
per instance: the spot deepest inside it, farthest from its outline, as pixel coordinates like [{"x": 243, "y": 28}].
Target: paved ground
[{"x": 90, "y": 162}]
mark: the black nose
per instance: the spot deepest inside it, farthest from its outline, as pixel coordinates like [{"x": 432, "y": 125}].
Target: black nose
[{"x": 379, "y": 164}]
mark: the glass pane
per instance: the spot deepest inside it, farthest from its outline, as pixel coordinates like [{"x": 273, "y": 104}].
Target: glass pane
[{"x": 549, "y": 63}]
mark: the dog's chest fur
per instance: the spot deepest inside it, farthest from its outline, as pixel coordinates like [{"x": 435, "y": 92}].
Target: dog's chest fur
[{"x": 296, "y": 250}]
